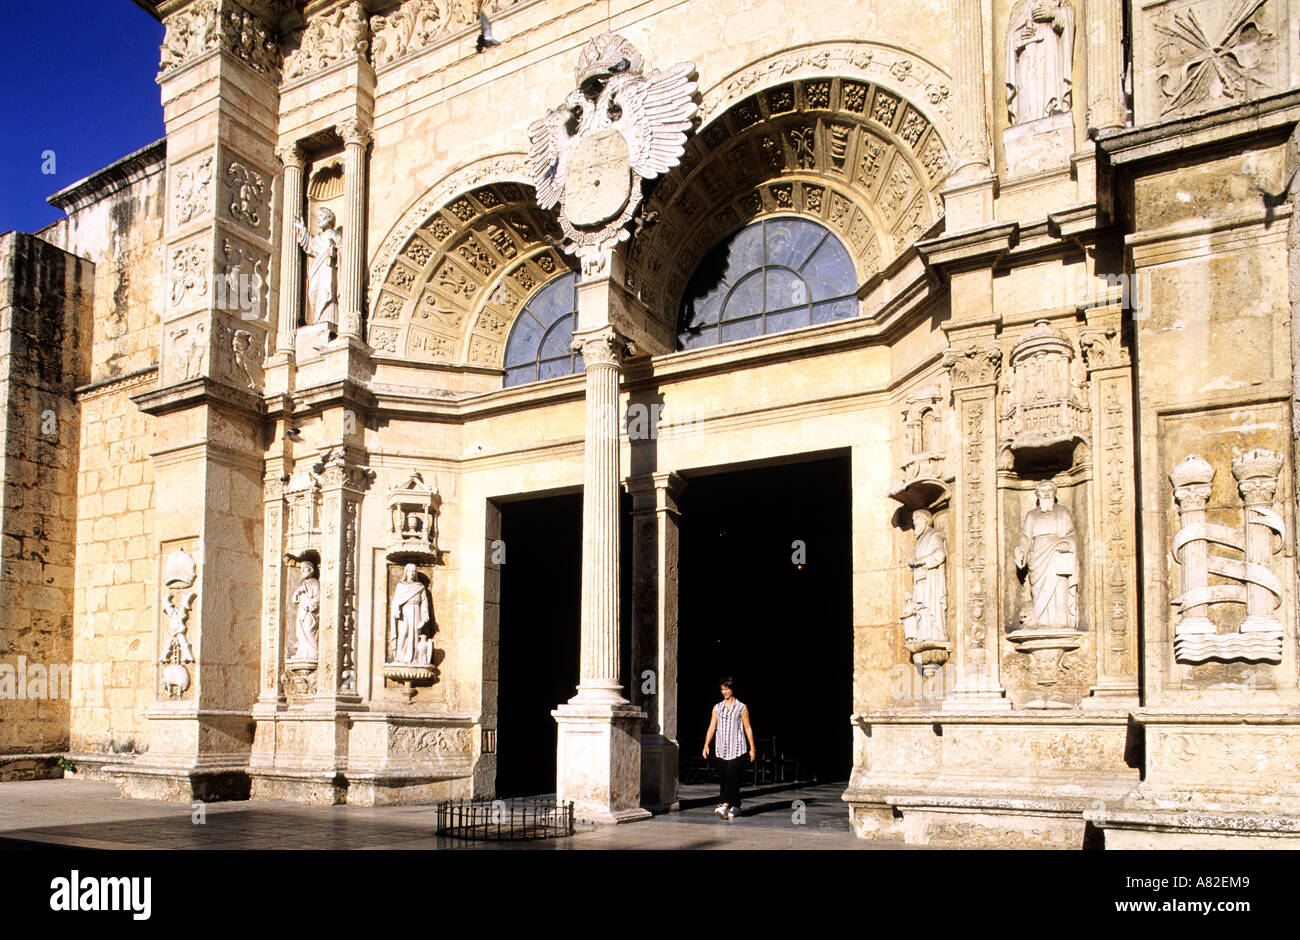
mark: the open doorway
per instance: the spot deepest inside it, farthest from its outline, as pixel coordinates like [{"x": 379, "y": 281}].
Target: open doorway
[
  {"x": 766, "y": 597},
  {"x": 539, "y": 637}
]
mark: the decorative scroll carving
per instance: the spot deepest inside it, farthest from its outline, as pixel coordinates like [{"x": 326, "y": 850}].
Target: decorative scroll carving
[
  {"x": 218, "y": 24},
  {"x": 189, "y": 274},
  {"x": 247, "y": 194},
  {"x": 192, "y": 190},
  {"x": 328, "y": 38},
  {"x": 1225, "y": 60},
  {"x": 618, "y": 127},
  {"x": 1260, "y": 636}
]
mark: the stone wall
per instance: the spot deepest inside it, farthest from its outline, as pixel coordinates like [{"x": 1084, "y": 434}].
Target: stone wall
[{"x": 45, "y": 312}]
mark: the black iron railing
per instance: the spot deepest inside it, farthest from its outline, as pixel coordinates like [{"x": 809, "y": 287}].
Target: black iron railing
[{"x": 505, "y": 819}]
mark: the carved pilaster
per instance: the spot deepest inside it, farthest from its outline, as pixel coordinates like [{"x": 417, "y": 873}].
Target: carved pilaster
[
  {"x": 1113, "y": 515},
  {"x": 973, "y": 370},
  {"x": 968, "y": 93},
  {"x": 273, "y": 590},
  {"x": 343, "y": 485},
  {"x": 655, "y": 552}
]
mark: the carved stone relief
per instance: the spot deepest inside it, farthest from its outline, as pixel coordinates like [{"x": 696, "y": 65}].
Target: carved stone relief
[
  {"x": 1197, "y": 637},
  {"x": 218, "y": 24},
  {"x": 179, "y": 574},
  {"x": 417, "y": 24},
  {"x": 326, "y": 39},
  {"x": 1039, "y": 59},
  {"x": 1045, "y": 412},
  {"x": 192, "y": 189}
]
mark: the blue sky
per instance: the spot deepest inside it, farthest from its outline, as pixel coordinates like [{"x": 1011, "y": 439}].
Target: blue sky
[{"x": 76, "y": 78}]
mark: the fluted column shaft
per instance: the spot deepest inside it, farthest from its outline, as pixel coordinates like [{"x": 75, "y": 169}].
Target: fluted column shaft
[
  {"x": 1105, "y": 30},
  {"x": 290, "y": 259},
  {"x": 602, "y": 351},
  {"x": 968, "y": 79},
  {"x": 356, "y": 137}
]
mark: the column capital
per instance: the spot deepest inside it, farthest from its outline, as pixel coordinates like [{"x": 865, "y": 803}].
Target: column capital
[
  {"x": 603, "y": 346},
  {"x": 656, "y": 492},
  {"x": 973, "y": 365},
  {"x": 291, "y": 156},
  {"x": 354, "y": 132}
]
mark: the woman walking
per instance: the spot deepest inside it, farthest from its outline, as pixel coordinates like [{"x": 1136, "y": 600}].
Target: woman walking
[{"x": 730, "y": 722}]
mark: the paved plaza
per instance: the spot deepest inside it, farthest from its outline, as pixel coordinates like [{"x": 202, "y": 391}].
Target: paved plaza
[{"x": 91, "y": 814}]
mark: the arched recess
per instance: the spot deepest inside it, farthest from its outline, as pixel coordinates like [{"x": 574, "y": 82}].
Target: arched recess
[
  {"x": 446, "y": 289},
  {"x": 853, "y": 154}
]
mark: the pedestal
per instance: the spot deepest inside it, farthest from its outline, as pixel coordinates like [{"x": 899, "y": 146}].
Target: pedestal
[{"x": 598, "y": 761}]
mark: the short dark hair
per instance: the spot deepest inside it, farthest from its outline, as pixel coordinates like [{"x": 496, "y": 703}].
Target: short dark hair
[{"x": 728, "y": 682}]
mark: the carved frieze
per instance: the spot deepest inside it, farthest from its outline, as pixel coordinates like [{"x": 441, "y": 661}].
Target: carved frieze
[
  {"x": 328, "y": 38},
  {"x": 218, "y": 24}
]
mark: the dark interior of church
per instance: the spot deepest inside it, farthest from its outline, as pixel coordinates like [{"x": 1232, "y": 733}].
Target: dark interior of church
[{"x": 766, "y": 597}]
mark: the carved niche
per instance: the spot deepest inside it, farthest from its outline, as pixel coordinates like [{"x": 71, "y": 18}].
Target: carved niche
[
  {"x": 924, "y": 478},
  {"x": 1045, "y": 411},
  {"x": 303, "y": 495},
  {"x": 413, "y": 522},
  {"x": 1259, "y": 636}
]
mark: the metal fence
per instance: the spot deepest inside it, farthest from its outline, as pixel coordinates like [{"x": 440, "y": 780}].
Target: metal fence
[{"x": 505, "y": 819}]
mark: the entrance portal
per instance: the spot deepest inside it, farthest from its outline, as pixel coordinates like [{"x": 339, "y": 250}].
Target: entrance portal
[
  {"x": 539, "y": 637},
  {"x": 766, "y": 597}
]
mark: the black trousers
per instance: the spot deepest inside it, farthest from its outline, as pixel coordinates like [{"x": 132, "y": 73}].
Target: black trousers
[{"x": 729, "y": 774}]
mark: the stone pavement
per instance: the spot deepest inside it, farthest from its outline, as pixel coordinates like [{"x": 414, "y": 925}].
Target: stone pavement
[{"x": 91, "y": 814}]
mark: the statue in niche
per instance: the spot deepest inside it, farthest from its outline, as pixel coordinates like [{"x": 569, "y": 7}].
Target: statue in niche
[
  {"x": 307, "y": 597},
  {"x": 926, "y": 613},
  {"x": 322, "y": 274},
  {"x": 412, "y": 612},
  {"x": 1049, "y": 548},
  {"x": 1040, "y": 59}
]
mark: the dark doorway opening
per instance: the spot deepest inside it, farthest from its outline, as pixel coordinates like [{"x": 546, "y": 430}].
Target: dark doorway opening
[
  {"x": 748, "y": 609},
  {"x": 539, "y": 637}
]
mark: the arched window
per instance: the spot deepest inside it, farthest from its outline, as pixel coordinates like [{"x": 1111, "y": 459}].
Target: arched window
[
  {"x": 773, "y": 275},
  {"x": 538, "y": 345}
]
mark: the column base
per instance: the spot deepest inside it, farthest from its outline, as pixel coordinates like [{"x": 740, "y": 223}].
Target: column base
[
  {"x": 660, "y": 758},
  {"x": 598, "y": 761}
]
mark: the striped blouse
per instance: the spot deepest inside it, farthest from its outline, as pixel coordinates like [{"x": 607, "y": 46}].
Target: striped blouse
[{"x": 729, "y": 740}]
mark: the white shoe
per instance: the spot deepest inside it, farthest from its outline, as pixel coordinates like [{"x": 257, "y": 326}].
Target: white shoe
[
  {"x": 720, "y": 811},
  {"x": 732, "y": 813}
]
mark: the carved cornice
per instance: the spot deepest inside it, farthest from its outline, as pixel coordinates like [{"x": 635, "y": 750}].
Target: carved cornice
[
  {"x": 972, "y": 366},
  {"x": 196, "y": 392}
]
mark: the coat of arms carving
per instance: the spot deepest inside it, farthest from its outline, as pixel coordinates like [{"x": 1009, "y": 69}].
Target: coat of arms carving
[{"x": 618, "y": 127}]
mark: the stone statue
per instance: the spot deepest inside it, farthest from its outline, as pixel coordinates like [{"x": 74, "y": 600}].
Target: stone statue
[
  {"x": 1049, "y": 548},
  {"x": 927, "y": 609},
  {"x": 1040, "y": 59},
  {"x": 322, "y": 274},
  {"x": 412, "y": 611},
  {"x": 307, "y": 597}
]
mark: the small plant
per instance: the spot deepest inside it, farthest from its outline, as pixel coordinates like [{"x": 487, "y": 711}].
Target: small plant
[{"x": 67, "y": 766}]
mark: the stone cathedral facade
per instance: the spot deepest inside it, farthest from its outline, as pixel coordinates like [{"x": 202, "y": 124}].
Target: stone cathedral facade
[{"x": 1029, "y": 264}]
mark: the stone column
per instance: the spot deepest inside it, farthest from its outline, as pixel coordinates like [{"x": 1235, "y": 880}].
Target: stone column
[
  {"x": 1114, "y": 507},
  {"x": 291, "y": 158},
  {"x": 655, "y": 547},
  {"x": 598, "y": 764},
  {"x": 1193, "y": 482},
  {"x": 968, "y": 193},
  {"x": 1256, "y": 473},
  {"x": 1105, "y": 50},
  {"x": 356, "y": 137},
  {"x": 973, "y": 368}
]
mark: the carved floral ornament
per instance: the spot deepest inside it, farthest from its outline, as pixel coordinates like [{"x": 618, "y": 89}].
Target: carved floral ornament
[
  {"x": 418, "y": 24},
  {"x": 326, "y": 39}
]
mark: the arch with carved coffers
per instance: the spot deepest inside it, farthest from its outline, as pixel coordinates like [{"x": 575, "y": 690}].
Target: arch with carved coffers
[
  {"x": 855, "y": 155},
  {"x": 453, "y": 274}
]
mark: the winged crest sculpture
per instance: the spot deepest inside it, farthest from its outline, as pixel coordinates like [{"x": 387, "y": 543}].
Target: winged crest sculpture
[{"x": 619, "y": 126}]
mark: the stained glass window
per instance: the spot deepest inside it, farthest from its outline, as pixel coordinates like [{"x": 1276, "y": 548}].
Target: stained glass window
[
  {"x": 773, "y": 275},
  {"x": 538, "y": 345}
]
